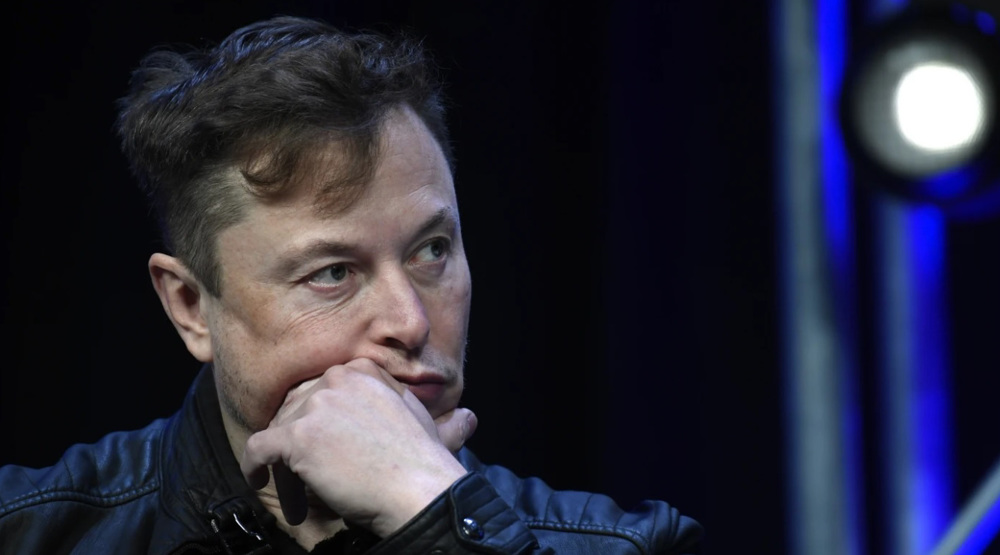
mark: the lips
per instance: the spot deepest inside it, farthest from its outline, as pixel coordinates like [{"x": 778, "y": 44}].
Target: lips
[
  {"x": 427, "y": 392},
  {"x": 428, "y": 388}
]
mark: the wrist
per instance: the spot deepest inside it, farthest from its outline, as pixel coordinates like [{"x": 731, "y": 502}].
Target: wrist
[{"x": 415, "y": 493}]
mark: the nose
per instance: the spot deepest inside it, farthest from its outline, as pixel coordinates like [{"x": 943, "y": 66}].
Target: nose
[{"x": 400, "y": 318}]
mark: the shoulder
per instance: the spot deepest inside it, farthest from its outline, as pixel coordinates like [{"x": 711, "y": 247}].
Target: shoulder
[
  {"x": 94, "y": 490},
  {"x": 589, "y": 522}
]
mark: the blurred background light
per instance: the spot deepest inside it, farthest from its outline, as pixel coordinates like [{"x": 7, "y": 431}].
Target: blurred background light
[
  {"x": 918, "y": 111},
  {"x": 940, "y": 107},
  {"x": 918, "y": 105}
]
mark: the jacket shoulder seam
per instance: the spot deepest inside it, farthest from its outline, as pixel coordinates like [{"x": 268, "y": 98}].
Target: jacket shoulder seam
[{"x": 67, "y": 495}]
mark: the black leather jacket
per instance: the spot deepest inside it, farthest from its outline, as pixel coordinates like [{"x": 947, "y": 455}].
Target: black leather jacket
[{"x": 175, "y": 487}]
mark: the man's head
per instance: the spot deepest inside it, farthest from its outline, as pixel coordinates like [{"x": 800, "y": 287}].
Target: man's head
[
  {"x": 264, "y": 101},
  {"x": 305, "y": 182}
]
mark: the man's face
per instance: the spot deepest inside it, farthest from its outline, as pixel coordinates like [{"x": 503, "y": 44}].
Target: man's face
[{"x": 386, "y": 279}]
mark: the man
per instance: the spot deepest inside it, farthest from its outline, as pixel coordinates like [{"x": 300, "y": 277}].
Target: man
[{"x": 302, "y": 178}]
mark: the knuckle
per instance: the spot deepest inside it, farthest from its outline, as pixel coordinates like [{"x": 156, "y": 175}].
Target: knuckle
[
  {"x": 319, "y": 400},
  {"x": 253, "y": 446},
  {"x": 333, "y": 375}
]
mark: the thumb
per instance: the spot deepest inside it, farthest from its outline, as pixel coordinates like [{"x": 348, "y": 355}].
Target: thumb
[{"x": 456, "y": 427}]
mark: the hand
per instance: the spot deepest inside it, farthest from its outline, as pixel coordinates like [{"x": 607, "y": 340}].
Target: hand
[{"x": 363, "y": 443}]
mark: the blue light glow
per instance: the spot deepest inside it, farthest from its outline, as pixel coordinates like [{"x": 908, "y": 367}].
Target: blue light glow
[
  {"x": 986, "y": 532},
  {"x": 926, "y": 508},
  {"x": 831, "y": 28},
  {"x": 930, "y": 421},
  {"x": 960, "y": 13},
  {"x": 983, "y": 205},
  {"x": 986, "y": 23},
  {"x": 950, "y": 184}
]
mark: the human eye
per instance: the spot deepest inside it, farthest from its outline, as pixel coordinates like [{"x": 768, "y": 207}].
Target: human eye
[
  {"x": 434, "y": 251},
  {"x": 332, "y": 276}
]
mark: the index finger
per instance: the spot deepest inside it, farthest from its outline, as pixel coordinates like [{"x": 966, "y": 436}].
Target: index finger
[
  {"x": 370, "y": 367},
  {"x": 259, "y": 452},
  {"x": 298, "y": 394}
]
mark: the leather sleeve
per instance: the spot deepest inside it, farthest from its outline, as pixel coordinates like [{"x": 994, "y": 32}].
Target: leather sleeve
[
  {"x": 565, "y": 521},
  {"x": 490, "y": 510},
  {"x": 468, "y": 518}
]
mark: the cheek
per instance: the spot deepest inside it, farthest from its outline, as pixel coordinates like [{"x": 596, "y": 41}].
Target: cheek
[
  {"x": 259, "y": 364},
  {"x": 451, "y": 310},
  {"x": 459, "y": 293},
  {"x": 309, "y": 346}
]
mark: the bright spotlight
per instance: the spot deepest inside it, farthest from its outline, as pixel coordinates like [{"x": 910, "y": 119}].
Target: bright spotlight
[
  {"x": 920, "y": 107},
  {"x": 939, "y": 107}
]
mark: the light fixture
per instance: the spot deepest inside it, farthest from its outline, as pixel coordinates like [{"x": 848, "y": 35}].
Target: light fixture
[{"x": 920, "y": 104}]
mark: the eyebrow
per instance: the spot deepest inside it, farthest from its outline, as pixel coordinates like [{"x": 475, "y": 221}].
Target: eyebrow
[
  {"x": 445, "y": 217},
  {"x": 289, "y": 262}
]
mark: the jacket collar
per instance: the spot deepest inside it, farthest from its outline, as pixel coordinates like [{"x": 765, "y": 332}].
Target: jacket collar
[{"x": 204, "y": 497}]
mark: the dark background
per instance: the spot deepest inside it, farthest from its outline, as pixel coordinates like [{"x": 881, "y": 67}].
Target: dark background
[{"x": 616, "y": 186}]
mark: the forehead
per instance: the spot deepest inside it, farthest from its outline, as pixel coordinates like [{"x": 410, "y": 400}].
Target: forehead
[
  {"x": 338, "y": 173},
  {"x": 410, "y": 184}
]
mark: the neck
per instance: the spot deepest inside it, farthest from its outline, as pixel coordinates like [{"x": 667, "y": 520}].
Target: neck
[{"x": 320, "y": 522}]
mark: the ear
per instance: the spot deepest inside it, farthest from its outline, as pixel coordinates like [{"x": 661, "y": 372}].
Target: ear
[{"x": 182, "y": 297}]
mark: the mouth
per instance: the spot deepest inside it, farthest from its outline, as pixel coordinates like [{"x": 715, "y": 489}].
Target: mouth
[
  {"x": 427, "y": 393},
  {"x": 428, "y": 388}
]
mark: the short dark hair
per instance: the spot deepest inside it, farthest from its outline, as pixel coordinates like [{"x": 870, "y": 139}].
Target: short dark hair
[{"x": 262, "y": 102}]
